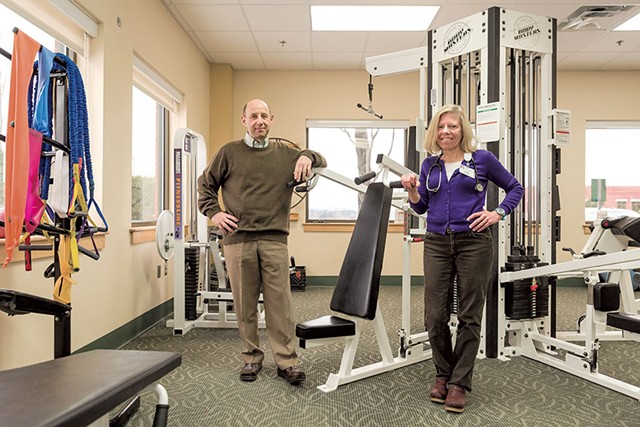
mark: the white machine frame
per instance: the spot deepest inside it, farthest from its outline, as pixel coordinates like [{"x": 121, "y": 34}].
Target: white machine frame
[
  {"x": 190, "y": 160},
  {"x": 412, "y": 348}
]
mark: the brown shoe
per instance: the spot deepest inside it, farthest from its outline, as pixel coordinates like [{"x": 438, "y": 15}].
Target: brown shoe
[
  {"x": 293, "y": 375},
  {"x": 249, "y": 371},
  {"x": 438, "y": 392},
  {"x": 455, "y": 399}
]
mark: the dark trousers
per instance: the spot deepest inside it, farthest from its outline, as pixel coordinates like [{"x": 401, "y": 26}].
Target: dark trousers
[{"x": 469, "y": 255}]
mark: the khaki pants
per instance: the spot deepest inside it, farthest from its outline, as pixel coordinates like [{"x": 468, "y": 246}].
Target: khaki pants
[{"x": 262, "y": 265}]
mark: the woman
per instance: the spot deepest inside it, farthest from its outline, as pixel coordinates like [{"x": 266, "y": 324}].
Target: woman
[{"x": 451, "y": 189}]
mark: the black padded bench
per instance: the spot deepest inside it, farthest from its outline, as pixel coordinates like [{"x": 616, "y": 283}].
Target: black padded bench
[
  {"x": 79, "y": 389},
  {"x": 625, "y": 225},
  {"x": 324, "y": 327},
  {"x": 625, "y": 321},
  {"x": 357, "y": 287}
]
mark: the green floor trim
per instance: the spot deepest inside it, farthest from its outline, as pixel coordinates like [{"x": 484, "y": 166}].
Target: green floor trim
[
  {"x": 131, "y": 330},
  {"x": 384, "y": 280}
]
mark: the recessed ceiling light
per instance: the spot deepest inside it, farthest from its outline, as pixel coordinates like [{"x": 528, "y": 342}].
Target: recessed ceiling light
[
  {"x": 372, "y": 18},
  {"x": 632, "y": 24}
]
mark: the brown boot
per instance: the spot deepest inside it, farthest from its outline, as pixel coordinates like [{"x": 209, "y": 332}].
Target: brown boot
[
  {"x": 455, "y": 399},
  {"x": 438, "y": 392}
]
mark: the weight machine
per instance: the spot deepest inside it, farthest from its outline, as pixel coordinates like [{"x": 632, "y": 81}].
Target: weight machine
[
  {"x": 359, "y": 302},
  {"x": 500, "y": 66},
  {"x": 198, "y": 300}
]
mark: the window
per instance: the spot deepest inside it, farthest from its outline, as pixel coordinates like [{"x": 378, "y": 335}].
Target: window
[
  {"x": 351, "y": 149},
  {"x": 610, "y": 179},
  {"x": 9, "y": 20},
  {"x": 149, "y": 145}
]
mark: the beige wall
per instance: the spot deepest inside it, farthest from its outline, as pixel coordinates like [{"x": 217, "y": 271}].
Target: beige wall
[{"x": 122, "y": 285}]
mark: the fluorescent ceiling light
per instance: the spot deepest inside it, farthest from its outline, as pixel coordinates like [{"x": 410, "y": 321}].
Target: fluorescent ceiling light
[
  {"x": 372, "y": 18},
  {"x": 632, "y": 24}
]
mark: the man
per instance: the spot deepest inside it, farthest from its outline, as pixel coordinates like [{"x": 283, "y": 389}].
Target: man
[{"x": 253, "y": 174}]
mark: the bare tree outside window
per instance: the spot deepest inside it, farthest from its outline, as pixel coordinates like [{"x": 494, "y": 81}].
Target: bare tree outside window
[{"x": 351, "y": 149}]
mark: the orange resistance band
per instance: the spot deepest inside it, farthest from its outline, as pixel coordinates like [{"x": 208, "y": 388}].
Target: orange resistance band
[{"x": 17, "y": 148}]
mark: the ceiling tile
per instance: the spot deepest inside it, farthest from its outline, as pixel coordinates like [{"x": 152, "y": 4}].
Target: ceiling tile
[
  {"x": 336, "y": 41},
  {"x": 227, "y": 41},
  {"x": 201, "y": 1},
  {"x": 584, "y": 61},
  {"x": 214, "y": 18},
  {"x": 608, "y": 42},
  {"x": 623, "y": 63},
  {"x": 249, "y": 32},
  {"x": 271, "y": 41},
  {"x": 264, "y": 2},
  {"x": 278, "y": 18},
  {"x": 239, "y": 61},
  {"x": 287, "y": 61},
  {"x": 392, "y": 41},
  {"x": 337, "y": 61},
  {"x": 572, "y": 41}
]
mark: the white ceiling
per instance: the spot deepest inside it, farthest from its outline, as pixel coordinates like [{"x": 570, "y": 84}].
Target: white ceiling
[{"x": 276, "y": 34}]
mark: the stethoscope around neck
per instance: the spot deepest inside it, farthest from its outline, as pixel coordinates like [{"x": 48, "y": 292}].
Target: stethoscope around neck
[{"x": 468, "y": 157}]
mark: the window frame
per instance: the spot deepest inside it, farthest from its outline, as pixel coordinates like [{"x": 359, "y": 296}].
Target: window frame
[
  {"x": 163, "y": 146},
  {"x": 401, "y": 125}
]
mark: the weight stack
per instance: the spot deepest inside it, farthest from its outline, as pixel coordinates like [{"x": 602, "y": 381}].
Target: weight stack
[
  {"x": 527, "y": 298},
  {"x": 191, "y": 275}
]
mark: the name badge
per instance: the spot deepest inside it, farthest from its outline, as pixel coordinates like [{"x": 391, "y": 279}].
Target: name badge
[{"x": 466, "y": 170}]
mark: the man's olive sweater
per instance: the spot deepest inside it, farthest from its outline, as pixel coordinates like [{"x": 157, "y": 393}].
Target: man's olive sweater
[{"x": 254, "y": 190}]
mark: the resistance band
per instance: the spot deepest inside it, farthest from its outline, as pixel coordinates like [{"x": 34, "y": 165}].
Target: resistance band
[{"x": 17, "y": 140}]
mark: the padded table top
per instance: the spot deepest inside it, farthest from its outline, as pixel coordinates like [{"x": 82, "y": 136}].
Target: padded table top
[{"x": 78, "y": 389}]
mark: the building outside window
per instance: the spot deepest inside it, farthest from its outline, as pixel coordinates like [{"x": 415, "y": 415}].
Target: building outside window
[{"x": 606, "y": 168}]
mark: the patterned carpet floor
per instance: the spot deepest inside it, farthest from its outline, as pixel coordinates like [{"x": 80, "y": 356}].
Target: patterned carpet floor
[{"x": 205, "y": 390}]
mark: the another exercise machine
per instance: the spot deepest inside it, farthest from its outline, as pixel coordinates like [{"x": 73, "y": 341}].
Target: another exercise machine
[
  {"x": 356, "y": 292},
  {"x": 201, "y": 299}
]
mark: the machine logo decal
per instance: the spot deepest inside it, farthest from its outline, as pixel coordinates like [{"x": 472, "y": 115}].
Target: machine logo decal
[
  {"x": 457, "y": 37},
  {"x": 526, "y": 31}
]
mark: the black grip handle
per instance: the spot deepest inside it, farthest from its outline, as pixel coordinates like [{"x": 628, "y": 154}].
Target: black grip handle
[
  {"x": 395, "y": 184},
  {"x": 293, "y": 183},
  {"x": 87, "y": 252},
  {"x": 161, "y": 416},
  {"x": 364, "y": 178}
]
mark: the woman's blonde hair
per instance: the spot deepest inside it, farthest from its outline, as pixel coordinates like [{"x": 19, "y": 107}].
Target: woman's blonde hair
[{"x": 467, "y": 144}]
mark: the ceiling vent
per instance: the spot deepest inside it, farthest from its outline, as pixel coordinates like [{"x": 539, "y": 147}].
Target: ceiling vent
[{"x": 595, "y": 18}]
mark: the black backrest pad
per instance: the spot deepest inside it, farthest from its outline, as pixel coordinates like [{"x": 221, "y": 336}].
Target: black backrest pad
[
  {"x": 356, "y": 292},
  {"x": 629, "y": 226}
]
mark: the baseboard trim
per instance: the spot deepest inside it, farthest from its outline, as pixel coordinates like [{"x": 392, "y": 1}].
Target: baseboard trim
[
  {"x": 384, "y": 280},
  {"x": 124, "y": 334}
]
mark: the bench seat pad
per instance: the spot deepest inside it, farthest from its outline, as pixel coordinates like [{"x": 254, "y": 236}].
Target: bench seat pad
[
  {"x": 325, "y": 327},
  {"x": 625, "y": 321},
  {"x": 78, "y": 389}
]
